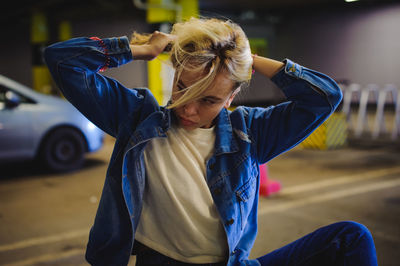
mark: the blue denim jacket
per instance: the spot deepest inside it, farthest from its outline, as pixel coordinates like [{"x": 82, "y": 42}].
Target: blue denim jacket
[{"x": 245, "y": 138}]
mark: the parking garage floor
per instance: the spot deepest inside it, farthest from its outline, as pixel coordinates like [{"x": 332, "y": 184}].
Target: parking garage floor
[{"x": 45, "y": 219}]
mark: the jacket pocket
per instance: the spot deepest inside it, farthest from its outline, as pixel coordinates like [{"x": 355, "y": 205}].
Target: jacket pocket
[{"x": 246, "y": 194}]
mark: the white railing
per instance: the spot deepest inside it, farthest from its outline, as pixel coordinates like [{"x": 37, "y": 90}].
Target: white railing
[
  {"x": 351, "y": 94},
  {"x": 375, "y": 95},
  {"x": 380, "y": 124}
]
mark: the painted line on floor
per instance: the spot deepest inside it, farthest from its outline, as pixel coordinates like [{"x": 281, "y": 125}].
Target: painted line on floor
[
  {"x": 44, "y": 240},
  {"x": 324, "y": 221},
  {"x": 276, "y": 208},
  {"x": 339, "y": 181},
  {"x": 378, "y": 185},
  {"x": 48, "y": 257}
]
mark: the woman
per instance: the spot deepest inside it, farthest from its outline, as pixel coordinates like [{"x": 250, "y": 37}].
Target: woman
[{"x": 182, "y": 183}]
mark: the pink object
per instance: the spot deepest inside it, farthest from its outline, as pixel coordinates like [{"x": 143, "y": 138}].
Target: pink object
[{"x": 267, "y": 186}]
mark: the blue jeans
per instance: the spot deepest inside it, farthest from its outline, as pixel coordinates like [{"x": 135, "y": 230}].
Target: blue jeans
[{"x": 343, "y": 243}]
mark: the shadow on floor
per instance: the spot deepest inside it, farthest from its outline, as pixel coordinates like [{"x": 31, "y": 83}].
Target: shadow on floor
[{"x": 31, "y": 169}]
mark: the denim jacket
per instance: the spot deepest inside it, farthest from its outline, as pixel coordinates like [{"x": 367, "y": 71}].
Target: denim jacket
[{"x": 245, "y": 138}]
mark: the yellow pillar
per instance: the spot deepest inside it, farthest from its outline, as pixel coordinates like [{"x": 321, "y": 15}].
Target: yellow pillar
[
  {"x": 160, "y": 78},
  {"x": 190, "y": 8},
  {"x": 64, "y": 30},
  {"x": 39, "y": 39},
  {"x": 160, "y": 73},
  {"x": 157, "y": 14}
]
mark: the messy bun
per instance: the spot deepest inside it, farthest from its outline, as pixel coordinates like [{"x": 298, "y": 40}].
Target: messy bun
[{"x": 208, "y": 46}]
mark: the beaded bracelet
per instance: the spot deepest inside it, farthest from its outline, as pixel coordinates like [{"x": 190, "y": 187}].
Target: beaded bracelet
[{"x": 252, "y": 66}]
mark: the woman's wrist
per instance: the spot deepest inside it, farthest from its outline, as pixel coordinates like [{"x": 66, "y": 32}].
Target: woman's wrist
[
  {"x": 142, "y": 52},
  {"x": 266, "y": 66}
]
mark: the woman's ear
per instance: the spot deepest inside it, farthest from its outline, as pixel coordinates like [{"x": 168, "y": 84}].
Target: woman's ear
[{"x": 229, "y": 101}]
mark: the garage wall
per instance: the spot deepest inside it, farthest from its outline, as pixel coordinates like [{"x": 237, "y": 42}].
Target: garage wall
[
  {"x": 362, "y": 46},
  {"x": 131, "y": 75},
  {"x": 358, "y": 45},
  {"x": 15, "y": 51}
]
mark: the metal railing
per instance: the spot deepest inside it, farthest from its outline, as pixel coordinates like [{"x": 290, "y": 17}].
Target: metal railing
[{"x": 366, "y": 96}]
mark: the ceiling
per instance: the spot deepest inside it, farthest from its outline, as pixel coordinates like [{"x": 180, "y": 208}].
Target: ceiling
[
  {"x": 275, "y": 4},
  {"x": 15, "y": 12}
]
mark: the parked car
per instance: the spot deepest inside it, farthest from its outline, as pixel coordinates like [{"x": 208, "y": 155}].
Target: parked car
[{"x": 44, "y": 127}]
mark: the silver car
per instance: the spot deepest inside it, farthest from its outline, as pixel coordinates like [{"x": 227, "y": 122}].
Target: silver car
[{"x": 38, "y": 126}]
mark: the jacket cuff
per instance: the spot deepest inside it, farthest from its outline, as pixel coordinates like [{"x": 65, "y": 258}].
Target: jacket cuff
[
  {"x": 288, "y": 80},
  {"x": 289, "y": 74},
  {"x": 116, "y": 50}
]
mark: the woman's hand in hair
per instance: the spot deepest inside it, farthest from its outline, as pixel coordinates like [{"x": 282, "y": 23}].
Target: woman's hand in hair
[{"x": 155, "y": 45}]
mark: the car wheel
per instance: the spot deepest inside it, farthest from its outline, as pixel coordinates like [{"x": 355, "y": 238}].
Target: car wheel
[{"x": 63, "y": 150}]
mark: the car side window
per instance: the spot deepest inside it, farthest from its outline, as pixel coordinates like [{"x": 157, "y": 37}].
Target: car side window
[
  {"x": 2, "y": 94},
  {"x": 3, "y": 91}
]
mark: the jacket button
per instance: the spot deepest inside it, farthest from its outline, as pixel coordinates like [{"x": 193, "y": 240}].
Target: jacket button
[
  {"x": 217, "y": 191},
  {"x": 230, "y": 222},
  {"x": 211, "y": 166}
]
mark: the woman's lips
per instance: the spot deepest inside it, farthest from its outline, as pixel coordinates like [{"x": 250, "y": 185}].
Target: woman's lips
[{"x": 186, "y": 122}]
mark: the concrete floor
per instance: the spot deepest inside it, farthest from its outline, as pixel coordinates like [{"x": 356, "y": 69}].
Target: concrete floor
[{"x": 45, "y": 219}]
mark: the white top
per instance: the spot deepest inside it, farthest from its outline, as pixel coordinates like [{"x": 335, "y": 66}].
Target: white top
[{"x": 179, "y": 218}]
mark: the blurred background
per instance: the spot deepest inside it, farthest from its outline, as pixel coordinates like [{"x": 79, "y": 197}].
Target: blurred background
[
  {"x": 348, "y": 169},
  {"x": 352, "y": 42}
]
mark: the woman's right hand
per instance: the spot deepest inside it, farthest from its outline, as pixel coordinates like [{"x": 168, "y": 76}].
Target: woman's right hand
[{"x": 155, "y": 46}]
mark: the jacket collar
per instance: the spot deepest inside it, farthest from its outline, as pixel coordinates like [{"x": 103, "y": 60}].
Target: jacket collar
[
  {"x": 224, "y": 140},
  {"x": 159, "y": 122},
  {"x": 155, "y": 125}
]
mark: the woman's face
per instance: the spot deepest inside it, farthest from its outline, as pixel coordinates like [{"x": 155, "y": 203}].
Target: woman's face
[{"x": 202, "y": 112}]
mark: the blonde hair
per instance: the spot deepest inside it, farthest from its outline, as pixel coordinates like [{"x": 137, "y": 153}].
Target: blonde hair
[{"x": 208, "y": 46}]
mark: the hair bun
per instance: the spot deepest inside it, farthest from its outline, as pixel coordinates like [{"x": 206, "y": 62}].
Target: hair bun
[{"x": 220, "y": 49}]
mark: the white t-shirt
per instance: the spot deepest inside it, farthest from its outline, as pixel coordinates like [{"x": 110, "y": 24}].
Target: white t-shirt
[{"x": 179, "y": 218}]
